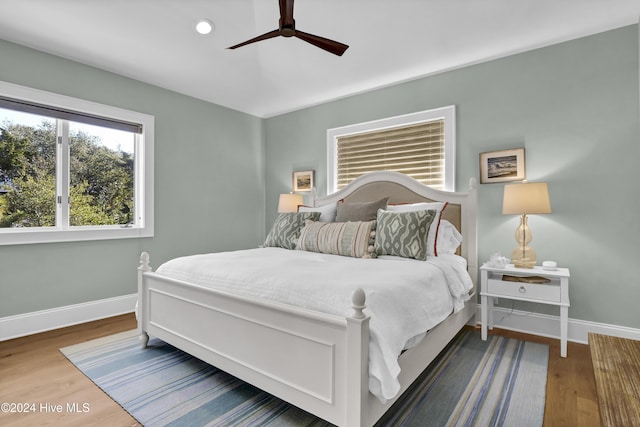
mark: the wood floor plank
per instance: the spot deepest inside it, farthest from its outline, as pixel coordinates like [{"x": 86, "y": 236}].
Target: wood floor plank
[{"x": 32, "y": 370}]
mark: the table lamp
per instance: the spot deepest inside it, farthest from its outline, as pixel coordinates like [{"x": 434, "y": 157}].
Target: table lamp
[
  {"x": 523, "y": 199},
  {"x": 289, "y": 202}
]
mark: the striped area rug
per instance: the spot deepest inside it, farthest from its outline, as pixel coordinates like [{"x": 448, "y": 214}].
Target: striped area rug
[{"x": 498, "y": 382}]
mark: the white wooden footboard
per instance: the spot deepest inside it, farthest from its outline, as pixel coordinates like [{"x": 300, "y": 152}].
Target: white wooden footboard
[{"x": 315, "y": 361}]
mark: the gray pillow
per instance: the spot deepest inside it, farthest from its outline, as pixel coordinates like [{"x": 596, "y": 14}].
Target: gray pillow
[
  {"x": 403, "y": 234},
  {"x": 286, "y": 229},
  {"x": 362, "y": 211}
]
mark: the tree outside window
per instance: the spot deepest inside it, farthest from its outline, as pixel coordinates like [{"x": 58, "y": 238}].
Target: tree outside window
[{"x": 101, "y": 173}]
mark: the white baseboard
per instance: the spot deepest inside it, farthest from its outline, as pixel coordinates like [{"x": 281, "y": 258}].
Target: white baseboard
[
  {"x": 60, "y": 317},
  {"x": 549, "y": 326}
]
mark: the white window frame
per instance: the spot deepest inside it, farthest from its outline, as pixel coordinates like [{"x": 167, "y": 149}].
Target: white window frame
[
  {"x": 143, "y": 226},
  {"x": 447, "y": 113}
]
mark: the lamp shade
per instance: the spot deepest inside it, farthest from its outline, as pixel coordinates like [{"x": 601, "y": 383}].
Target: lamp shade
[
  {"x": 526, "y": 198},
  {"x": 289, "y": 202}
]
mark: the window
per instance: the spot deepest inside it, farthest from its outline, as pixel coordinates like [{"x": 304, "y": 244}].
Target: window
[
  {"x": 421, "y": 145},
  {"x": 72, "y": 169}
]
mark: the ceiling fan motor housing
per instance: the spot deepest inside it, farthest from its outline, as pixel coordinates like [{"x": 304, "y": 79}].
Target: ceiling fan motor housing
[{"x": 288, "y": 29}]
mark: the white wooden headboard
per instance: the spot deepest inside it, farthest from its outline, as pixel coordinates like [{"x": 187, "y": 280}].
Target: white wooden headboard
[{"x": 461, "y": 210}]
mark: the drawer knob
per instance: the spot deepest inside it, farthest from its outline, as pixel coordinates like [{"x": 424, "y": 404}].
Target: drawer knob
[{"x": 522, "y": 289}]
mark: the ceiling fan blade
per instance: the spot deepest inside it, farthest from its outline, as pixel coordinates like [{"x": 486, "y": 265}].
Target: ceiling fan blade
[
  {"x": 265, "y": 36},
  {"x": 332, "y": 46}
]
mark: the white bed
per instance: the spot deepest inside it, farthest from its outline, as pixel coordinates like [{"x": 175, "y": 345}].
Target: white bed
[{"x": 310, "y": 350}]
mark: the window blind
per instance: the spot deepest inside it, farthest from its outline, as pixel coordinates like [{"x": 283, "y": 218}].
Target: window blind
[
  {"x": 417, "y": 150},
  {"x": 64, "y": 114}
]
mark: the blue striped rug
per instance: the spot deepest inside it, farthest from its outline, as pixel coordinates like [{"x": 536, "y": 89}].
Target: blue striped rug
[{"x": 498, "y": 382}]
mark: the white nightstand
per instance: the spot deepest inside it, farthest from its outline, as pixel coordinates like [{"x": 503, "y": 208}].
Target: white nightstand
[{"x": 555, "y": 292}]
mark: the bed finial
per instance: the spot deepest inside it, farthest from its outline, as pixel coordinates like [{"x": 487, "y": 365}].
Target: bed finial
[
  {"x": 473, "y": 183},
  {"x": 144, "y": 262},
  {"x": 358, "y": 303}
]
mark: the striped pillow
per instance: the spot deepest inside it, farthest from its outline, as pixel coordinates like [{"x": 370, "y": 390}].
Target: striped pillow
[
  {"x": 354, "y": 239},
  {"x": 404, "y": 233}
]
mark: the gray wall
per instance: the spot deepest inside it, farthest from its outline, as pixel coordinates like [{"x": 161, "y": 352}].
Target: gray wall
[
  {"x": 209, "y": 170},
  {"x": 572, "y": 106}
]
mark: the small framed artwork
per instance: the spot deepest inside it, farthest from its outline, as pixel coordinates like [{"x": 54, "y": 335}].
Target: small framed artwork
[
  {"x": 502, "y": 166},
  {"x": 302, "y": 181}
]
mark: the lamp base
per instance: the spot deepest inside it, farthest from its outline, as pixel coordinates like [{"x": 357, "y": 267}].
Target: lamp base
[{"x": 523, "y": 257}]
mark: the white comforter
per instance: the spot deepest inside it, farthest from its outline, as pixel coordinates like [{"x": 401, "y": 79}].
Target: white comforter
[{"x": 405, "y": 298}]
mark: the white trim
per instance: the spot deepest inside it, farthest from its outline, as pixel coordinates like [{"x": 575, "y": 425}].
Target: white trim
[
  {"x": 447, "y": 113},
  {"x": 547, "y": 325},
  {"x": 60, "y": 317},
  {"x": 144, "y": 181}
]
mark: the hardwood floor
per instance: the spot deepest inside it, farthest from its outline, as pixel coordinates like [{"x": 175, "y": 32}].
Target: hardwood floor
[{"x": 35, "y": 373}]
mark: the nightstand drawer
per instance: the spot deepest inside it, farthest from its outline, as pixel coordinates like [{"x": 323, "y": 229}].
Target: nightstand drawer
[{"x": 545, "y": 292}]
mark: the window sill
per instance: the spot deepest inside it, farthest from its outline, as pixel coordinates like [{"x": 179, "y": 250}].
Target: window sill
[{"x": 24, "y": 236}]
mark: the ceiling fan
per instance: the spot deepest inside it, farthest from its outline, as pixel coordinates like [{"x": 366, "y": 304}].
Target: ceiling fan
[{"x": 288, "y": 29}]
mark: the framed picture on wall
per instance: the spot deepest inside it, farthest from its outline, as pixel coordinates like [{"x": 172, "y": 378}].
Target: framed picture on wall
[
  {"x": 502, "y": 166},
  {"x": 302, "y": 181}
]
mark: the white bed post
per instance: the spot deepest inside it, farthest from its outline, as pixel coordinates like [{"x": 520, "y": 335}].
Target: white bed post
[
  {"x": 141, "y": 304},
  {"x": 470, "y": 229},
  {"x": 357, "y": 361}
]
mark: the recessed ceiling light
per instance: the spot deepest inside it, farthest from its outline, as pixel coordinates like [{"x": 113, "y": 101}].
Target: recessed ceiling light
[{"x": 204, "y": 26}]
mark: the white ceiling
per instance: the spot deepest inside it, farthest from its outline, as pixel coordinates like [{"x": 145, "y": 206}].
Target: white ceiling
[{"x": 390, "y": 41}]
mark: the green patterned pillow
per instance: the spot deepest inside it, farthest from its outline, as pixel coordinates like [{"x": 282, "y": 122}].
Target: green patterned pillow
[
  {"x": 403, "y": 234},
  {"x": 354, "y": 239},
  {"x": 286, "y": 229}
]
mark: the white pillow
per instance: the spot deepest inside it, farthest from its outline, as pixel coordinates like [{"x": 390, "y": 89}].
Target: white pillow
[
  {"x": 433, "y": 230},
  {"x": 448, "y": 238},
  {"x": 327, "y": 212}
]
